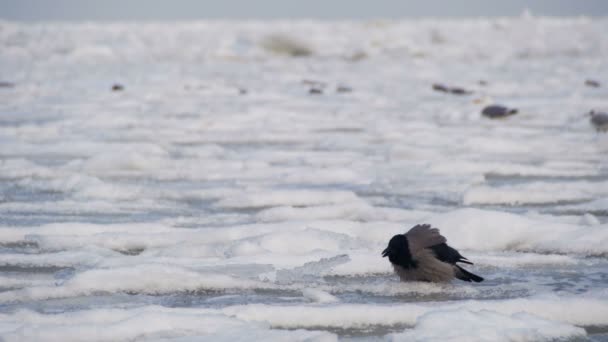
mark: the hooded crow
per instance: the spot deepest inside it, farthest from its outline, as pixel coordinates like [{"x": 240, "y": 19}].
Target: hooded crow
[
  {"x": 422, "y": 254},
  {"x": 599, "y": 120}
]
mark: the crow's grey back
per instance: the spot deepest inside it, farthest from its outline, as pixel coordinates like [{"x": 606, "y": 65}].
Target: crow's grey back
[
  {"x": 423, "y": 236},
  {"x": 600, "y": 119}
]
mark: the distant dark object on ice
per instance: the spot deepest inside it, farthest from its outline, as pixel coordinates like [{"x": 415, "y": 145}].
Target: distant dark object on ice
[
  {"x": 344, "y": 89},
  {"x": 118, "y": 87},
  {"x": 286, "y": 45},
  {"x": 440, "y": 87},
  {"x": 592, "y": 83},
  {"x": 498, "y": 112},
  {"x": 452, "y": 90},
  {"x": 316, "y": 87},
  {"x": 460, "y": 91},
  {"x": 242, "y": 91},
  {"x": 5, "y": 84},
  {"x": 422, "y": 254},
  {"x": 483, "y": 82},
  {"x": 599, "y": 120},
  {"x": 315, "y": 91}
]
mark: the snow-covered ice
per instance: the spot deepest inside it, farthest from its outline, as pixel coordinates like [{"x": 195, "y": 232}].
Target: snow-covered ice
[{"x": 214, "y": 198}]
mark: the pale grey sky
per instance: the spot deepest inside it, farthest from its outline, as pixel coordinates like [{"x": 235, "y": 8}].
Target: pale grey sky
[{"x": 264, "y": 9}]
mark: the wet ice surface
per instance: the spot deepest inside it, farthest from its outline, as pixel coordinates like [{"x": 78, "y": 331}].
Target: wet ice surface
[{"x": 215, "y": 198}]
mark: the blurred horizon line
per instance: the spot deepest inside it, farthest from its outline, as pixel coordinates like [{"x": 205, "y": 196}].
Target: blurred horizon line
[
  {"x": 300, "y": 19},
  {"x": 188, "y": 10}
]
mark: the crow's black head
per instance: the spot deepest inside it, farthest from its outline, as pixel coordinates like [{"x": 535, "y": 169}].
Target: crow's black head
[{"x": 398, "y": 252}]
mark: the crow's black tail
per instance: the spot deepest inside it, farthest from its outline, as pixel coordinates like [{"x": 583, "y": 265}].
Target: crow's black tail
[{"x": 465, "y": 275}]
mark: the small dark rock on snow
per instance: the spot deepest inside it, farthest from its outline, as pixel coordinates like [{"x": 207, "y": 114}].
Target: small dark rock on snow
[
  {"x": 118, "y": 87},
  {"x": 452, "y": 90},
  {"x": 497, "y": 111},
  {"x": 592, "y": 83},
  {"x": 440, "y": 87},
  {"x": 344, "y": 89},
  {"x": 460, "y": 91},
  {"x": 315, "y": 91}
]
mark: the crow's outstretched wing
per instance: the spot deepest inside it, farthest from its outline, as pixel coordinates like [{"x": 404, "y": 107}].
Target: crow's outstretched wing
[
  {"x": 423, "y": 236},
  {"x": 448, "y": 254}
]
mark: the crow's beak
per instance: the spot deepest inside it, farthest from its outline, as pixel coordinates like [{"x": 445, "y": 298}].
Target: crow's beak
[{"x": 385, "y": 252}]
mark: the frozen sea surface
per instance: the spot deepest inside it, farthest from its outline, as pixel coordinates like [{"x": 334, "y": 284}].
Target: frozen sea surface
[{"x": 215, "y": 198}]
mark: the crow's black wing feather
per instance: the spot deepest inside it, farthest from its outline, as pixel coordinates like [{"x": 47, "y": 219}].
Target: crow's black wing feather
[
  {"x": 465, "y": 275},
  {"x": 448, "y": 254}
]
